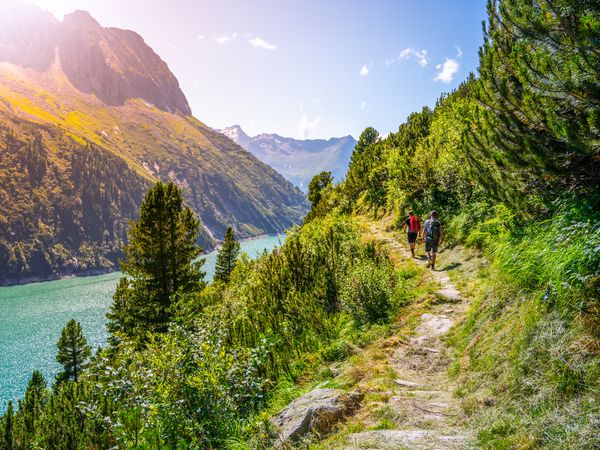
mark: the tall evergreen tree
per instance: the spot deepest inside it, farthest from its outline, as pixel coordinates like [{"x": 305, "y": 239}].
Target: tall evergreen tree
[
  {"x": 538, "y": 126},
  {"x": 9, "y": 427},
  {"x": 361, "y": 162},
  {"x": 73, "y": 352},
  {"x": 227, "y": 256},
  {"x": 317, "y": 188},
  {"x": 34, "y": 400},
  {"x": 160, "y": 261}
]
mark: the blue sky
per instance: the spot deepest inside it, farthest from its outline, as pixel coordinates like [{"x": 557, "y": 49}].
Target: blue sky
[{"x": 306, "y": 69}]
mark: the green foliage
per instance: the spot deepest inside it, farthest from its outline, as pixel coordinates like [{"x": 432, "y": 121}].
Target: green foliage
[
  {"x": 421, "y": 166},
  {"x": 9, "y": 438},
  {"x": 319, "y": 189},
  {"x": 537, "y": 127},
  {"x": 160, "y": 260},
  {"x": 35, "y": 399},
  {"x": 365, "y": 158},
  {"x": 558, "y": 255},
  {"x": 367, "y": 293},
  {"x": 186, "y": 388},
  {"x": 316, "y": 186},
  {"x": 73, "y": 353},
  {"x": 61, "y": 211},
  {"x": 227, "y": 257},
  {"x": 531, "y": 337}
]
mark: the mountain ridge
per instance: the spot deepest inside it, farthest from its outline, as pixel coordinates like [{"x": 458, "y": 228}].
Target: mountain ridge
[{"x": 298, "y": 160}]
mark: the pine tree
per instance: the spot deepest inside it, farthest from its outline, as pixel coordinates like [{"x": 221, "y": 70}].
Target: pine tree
[
  {"x": 227, "y": 256},
  {"x": 317, "y": 189},
  {"x": 537, "y": 127},
  {"x": 160, "y": 261},
  {"x": 73, "y": 352},
  {"x": 34, "y": 400},
  {"x": 361, "y": 162},
  {"x": 9, "y": 427}
]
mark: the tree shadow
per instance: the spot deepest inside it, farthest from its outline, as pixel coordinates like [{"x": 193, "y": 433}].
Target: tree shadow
[{"x": 452, "y": 266}]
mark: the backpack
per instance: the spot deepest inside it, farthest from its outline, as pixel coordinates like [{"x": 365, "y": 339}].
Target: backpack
[
  {"x": 413, "y": 226},
  {"x": 433, "y": 230}
]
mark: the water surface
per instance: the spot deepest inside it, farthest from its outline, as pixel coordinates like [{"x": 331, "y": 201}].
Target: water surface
[{"x": 33, "y": 315}]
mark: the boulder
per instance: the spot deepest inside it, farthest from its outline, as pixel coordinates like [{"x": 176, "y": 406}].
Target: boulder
[{"x": 318, "y": 410}]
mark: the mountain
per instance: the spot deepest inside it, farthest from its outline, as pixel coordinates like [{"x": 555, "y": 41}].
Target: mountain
[
  {"x": 90, "y": 118},
  {"x": 297, "y": 160}
]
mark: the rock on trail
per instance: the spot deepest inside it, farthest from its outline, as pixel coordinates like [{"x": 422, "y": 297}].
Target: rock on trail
[{"x": 316, "y": 411}]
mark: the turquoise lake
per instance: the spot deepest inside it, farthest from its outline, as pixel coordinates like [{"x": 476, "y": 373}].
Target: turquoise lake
[{"x": 32, "y": 316}]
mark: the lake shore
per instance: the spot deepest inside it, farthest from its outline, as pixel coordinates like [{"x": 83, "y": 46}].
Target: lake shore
[
  {"x": 19, "y": 281},
  {"x": 56, "y": 276}
]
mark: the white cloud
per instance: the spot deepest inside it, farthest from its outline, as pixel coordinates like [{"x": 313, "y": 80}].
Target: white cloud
[
  {"x": 261, "y": 43},
  {"x": 422, "y": 58},
  {"x": 449, "y": 67},
  {"x": 170, "y": 44},
  {"x": 224, "y": 38},
  {"x": 201, "y": 37},
  {"x": 409, "y": 53},
  {"x": 363, "y": 104},
  {"x": 307, "y": 125},
  {"x": 364, "y": 71},
  {"x": 406, "y": 53},
  {"x": 447, "y": 70}
]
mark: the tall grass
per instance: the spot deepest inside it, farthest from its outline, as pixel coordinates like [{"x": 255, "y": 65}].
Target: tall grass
[{"x": 528, "y": 354}]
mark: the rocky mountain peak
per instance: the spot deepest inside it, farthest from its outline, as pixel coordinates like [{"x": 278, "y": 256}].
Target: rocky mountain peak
[
  {"x": 114, "y": 64},
  {"x": 237, "y": 135},
  {"x": 80, "y": 18}
]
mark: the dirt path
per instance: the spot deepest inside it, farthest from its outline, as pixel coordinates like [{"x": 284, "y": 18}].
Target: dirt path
[{"x": 430, "y": 417}]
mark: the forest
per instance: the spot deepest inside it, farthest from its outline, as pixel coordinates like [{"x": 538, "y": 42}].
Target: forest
[{"x": 510, "y": 160}]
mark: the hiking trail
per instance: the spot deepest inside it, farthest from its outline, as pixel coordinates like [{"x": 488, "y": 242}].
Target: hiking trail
[{"x": 428, "y": 415}]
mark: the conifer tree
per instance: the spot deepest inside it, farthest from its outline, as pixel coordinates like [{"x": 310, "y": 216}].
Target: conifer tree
[
  {"x": 227, "y": 256},
  {"x": 9, "y": 427},
  {"x": 361, "y": 162},
  {"x": 317, "y": 189},
  {"x": 538, "y": 124},
  {"x": 34, "y": 400},
  {"x": 73, "y": 352},
  {"x": 159, "y": 261}
]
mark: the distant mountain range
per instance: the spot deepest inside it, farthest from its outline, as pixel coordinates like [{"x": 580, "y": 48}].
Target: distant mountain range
[
  {"x": 297, "y": 160},
  {"x": 90, "y": 118}
]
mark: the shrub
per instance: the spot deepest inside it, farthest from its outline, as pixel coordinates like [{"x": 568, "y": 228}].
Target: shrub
[{"x": 367, "y": 292}]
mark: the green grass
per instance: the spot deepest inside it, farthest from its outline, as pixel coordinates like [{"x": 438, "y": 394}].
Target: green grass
[{"x": 527, "y": 354}]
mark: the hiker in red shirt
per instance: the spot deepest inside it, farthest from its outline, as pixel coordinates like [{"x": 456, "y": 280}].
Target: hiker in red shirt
[{"x": 412, "y": 225}]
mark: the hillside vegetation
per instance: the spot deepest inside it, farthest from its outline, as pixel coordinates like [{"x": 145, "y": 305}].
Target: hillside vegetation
[{"x": 509, "y": 159}]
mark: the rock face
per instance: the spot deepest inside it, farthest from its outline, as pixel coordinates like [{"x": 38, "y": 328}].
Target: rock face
[
  {"x": 113, "y": 64},
  {"x": 298, "y": 160},
  {"x": 116, "y": 65},
  {"x": 319, "y": 411}
]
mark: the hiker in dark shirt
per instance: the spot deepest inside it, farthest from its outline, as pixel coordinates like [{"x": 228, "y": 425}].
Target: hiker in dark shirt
[
  {"x": 432, "y": 235},
  {"x": 412, "y": 227}
]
